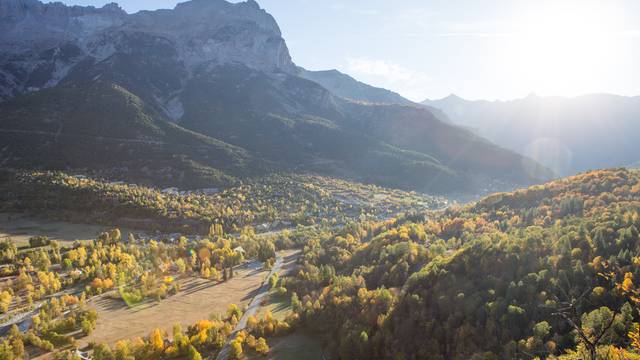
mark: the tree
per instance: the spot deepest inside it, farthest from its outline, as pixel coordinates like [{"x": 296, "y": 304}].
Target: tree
[
  {"x": 87, "y": 327},
  {"x": 102, "y": 352},
  {"x": 234, "y": 310},
  {"x": 596, "y": 324},
  {"x": 266, "y": 250},
  {"x": 5, "y": 300},
  {"x": 236, "y": 348},
  {"x": 193, "y": 354},
  {"x": 181, "y": 265},
  {"x": 38, "y": 241},
  {"x": 262, "y": 347},
  {"x": 156, "y": 341}
]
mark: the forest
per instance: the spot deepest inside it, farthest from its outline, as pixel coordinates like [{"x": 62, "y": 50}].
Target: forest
[
  {"x": 543, "y": 272},
  {"x": 285, "y": 199}
]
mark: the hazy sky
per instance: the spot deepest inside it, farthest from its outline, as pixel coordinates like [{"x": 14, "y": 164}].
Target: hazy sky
[{"x": 491, "y": 49}]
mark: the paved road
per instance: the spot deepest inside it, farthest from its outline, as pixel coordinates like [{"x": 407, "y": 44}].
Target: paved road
[
  {"x": 22, "y": 318},
  {"x": 254, "y": 305}
]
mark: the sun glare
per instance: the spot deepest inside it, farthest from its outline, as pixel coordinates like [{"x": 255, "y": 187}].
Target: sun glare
[{"x": 557, "y": 49}]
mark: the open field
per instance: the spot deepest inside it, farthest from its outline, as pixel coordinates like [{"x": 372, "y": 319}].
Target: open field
[
  {"x": 284, "y": 260},
  {"x": 20, "y": 227},
  {"x": 280, "y": 306},
  {"x": 295, "y": 346},
  {"x": 198, "y": 299}
]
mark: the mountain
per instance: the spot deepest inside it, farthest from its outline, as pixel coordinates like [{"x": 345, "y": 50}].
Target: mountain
[
  {"x": 347, "y": 87},
  {"x": 569, "y": 135},
  {"x": 208, "y": 93},
  {"x": 80, "y": 126}
]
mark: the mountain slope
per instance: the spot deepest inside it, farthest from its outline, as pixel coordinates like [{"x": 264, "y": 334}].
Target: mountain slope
[
  {"x": 567, "y": 134},
  {"x": 347, "y": 87},
  {"x": 218, "y": 73},
  {"x": 388, "y": 144},
  {"x": 485, "y": 281},
  {"x": 100, "y": 125}
]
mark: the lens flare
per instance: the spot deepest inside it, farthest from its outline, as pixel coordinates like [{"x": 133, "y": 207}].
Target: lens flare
[{"x": 552, "y": 153}]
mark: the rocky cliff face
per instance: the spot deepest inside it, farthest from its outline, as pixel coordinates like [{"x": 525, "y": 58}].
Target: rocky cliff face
[
  {"x": 32, "y": 24},
  {"x": 42, "y": 44}
]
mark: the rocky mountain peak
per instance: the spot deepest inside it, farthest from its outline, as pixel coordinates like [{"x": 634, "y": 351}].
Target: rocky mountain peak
[
  {"x": 29, "y": 24},
  {"x": 214, "y": 32},
  {"x": 40, "y": 44}
]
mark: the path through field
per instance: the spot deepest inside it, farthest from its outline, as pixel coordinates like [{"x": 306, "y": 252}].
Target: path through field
[
  {"x": 256, "y": 303},
  {"x": 198, "y": 299}
]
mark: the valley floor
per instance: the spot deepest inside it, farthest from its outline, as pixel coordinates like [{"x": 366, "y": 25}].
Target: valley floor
[
  {"x": 198, "y": 299},
  {"x": 21, "y": 227}
]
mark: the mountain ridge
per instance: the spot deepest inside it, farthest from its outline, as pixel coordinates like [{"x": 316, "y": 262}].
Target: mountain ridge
[
  {"x": 559, "y": 132},
  {"x": 212, "y": 70}
]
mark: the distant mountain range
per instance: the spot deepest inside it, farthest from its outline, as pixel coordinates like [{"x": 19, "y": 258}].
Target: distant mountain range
[
  {"x": 569, "y": 135},
  {"x": 206, "y": 94}
]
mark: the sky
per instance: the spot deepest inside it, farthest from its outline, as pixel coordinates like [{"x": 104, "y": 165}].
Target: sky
[{"x": 477, "y": 49}]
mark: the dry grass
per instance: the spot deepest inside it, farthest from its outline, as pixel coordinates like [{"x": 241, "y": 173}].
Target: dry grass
[
  {"x": 20, "y": 228},
  {"x": 298, "y": 345},
  {"x": 280, "y": 306},
  {"x": 197, "y": 300}
]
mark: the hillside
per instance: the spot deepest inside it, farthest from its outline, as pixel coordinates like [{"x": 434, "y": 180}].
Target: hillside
[
  {"x": 558, "y": 132},
  {"x": 102, "y": 126},
  {"x": 485, "y": 281},
  {"x": 347, "y": 87},
  {"x": 227, "y": 87},
  {"x": 273, "y": 202}
]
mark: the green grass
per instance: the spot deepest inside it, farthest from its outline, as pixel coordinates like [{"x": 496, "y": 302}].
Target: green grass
[
  {"x": 280, "y": 307},
  {"x": 298, "y": 345}
]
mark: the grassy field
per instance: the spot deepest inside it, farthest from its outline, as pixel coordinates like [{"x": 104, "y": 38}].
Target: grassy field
[
  {"x": 198, "y": 299},
  {"x": 298, "y": 345},
  {"x": 20, "y": 228},
  {"x": 280, "y": 306}
]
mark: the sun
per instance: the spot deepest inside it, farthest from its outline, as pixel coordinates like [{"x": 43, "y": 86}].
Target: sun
[{"x": 558, "y": 48}]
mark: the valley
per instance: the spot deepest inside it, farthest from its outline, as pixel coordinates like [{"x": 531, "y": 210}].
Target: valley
[
  {"x": 174, "y": 186},
  {"x": 273, "y": 214},
  {"x": 556, "y": 131},
  {"x": 549, "y": 242}
]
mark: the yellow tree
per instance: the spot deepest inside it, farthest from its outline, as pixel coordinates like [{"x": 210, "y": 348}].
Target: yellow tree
[
  {"x": 156, "y": 341},
  {"x": 262, "y": 347}
]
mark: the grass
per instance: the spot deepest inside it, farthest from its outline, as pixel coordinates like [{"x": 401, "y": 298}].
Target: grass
[
  {"x": 198, "y": 299},
  {"x": 19, "y": 228},
  {"x": 279, "y": 306},
  {"x": 298, "y": 345}
]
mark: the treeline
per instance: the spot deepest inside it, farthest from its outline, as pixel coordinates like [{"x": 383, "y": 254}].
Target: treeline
[{"x": 540, "y": 272}]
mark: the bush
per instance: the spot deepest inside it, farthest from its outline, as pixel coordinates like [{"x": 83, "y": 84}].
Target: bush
[{"x": 38, "y": 241}]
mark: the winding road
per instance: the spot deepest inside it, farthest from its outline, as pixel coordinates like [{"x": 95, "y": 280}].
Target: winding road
[{"x": 254, "y": 305}]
